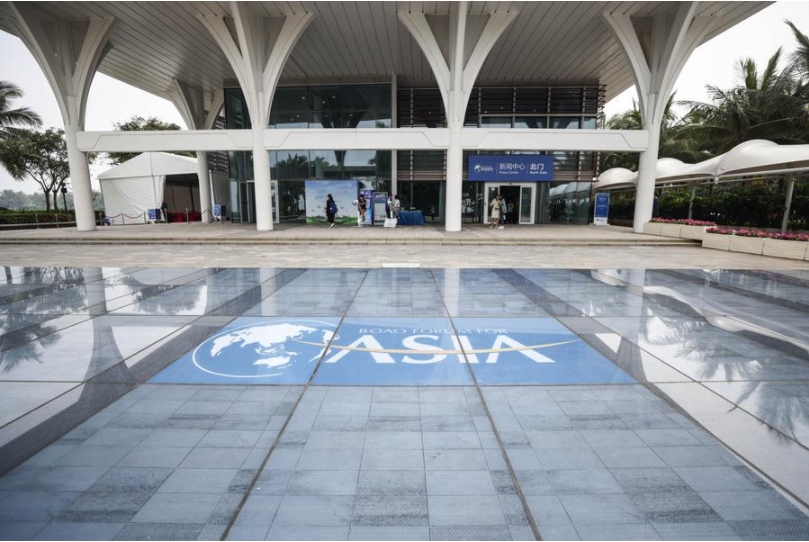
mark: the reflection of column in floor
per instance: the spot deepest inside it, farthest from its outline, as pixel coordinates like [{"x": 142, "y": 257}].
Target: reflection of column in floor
[{"x": 452, "y": 290}]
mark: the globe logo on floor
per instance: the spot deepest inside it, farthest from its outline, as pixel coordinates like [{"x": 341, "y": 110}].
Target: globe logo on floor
[{"x": 265, "y": 349}]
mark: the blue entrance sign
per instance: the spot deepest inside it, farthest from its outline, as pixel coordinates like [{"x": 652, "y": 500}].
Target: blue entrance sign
[
  {"x": 602, "y": 209},
  {"x": 394, "y": 352},
  {"x": 532, "y": 351},
  {"x": 255, "y": 351},
  {"x": 510, "y": 167}
]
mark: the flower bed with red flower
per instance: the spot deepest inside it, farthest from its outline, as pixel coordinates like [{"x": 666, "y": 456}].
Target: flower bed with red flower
[
  {"x": 744, "y": 232},
  {"x": 683, "y": 221}
]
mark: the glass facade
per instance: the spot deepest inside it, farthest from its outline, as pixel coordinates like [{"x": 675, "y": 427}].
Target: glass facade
[
  {"x": 311, "y": 107},
  {"x": 421, "y": 175}
]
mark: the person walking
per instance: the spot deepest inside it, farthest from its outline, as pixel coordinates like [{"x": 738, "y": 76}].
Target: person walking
[
  {"x": 494, "y": 212},
  {"x": 503, "y": 213},
  {"x": 331, "y": 210}
]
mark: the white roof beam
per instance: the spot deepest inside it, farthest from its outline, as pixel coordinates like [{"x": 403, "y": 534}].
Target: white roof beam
[{"x": 365, "y": 139}]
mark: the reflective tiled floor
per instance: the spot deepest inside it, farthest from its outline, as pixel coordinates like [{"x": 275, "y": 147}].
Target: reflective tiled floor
[{"x": 261, "y": 403}]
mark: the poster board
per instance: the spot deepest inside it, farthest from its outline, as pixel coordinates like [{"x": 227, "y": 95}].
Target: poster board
[{"x": 344, "y": 194}]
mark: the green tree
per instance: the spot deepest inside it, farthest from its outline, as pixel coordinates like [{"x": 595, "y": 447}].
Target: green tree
[
  {"x": 762, "y": 105},
  {"x": 140, "y": 124},
  {"x": 20, "y": 116},
  {"x": 41, "y": 156},
  {"x": 674, "y": 143}
]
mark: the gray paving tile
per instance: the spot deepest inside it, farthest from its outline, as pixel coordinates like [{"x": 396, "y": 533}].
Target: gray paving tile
[
  {"x": 551, "y": 518},
  {"x": 105, "y": 507},
  {"x": 569, "y": 458},
  {"x": 331, "y": 440},
  {"x": 359, "y": 532},
  {"x": 667, "y": 437},
  {"x": 674, "y": 507},
  {"x": 108, "y": 436},
  {"x": 583, "y": 482},
  {"x": 470, "y": 532},
  {"x": 135, "y": 479},
  {"x": 478, "y": 510},
  {"x": 795, "y": 529},
  {"x": 323, "y": 483},
  {"x": 93, "y": 456},
  {"x": 229, "y": 439},
  {"x": 25, "y": 478},
  {"x": 395, "y": 409},
  {"x": 154, "y": 456},
  {"x": 406, "y": 440},
  {"x": 556, "y": 439},
  {"x": 392, "y": 482},
  {"x": 599, "y": 439},
  {"x": 696, "y": 531},
  {"x": 513, "y": 510},
  {"x": 198, "y": 481},
  {"x": 34, "y": 505},
  {"x": 705, "y": 479},
  {"x": 66, "y": 530},
  {"x": 649, "y": 480},
  {"x": 435, "y": 424},
  {"x": 278, "y": 532},
  {"x": 273, "y": 482},
  {"x": 314, "y": 511},
  {"x": 601, "y": 509},
  {"x": 255, "y": 517},
  {"x": 450, "y": 440},
  {"x": 460, "y": 483},
  {"x": 177, "y": 508},
  {"x": 225, "y": 509},
  {"x": 160, "y": 531},
  {"x": 444, "y": 460},
  {"x": 751, "y": 505},
  {"x": 381, "y": 459},
  {"x": 639, "y": 457},
  {"x": 389, "y": 423},
  {"x": 631, "y": 531},
  {"x": 215, "y": 458},
  {"x": 340, "y": 423},
  {"x": 689, "y": 456},
  {"x": 212, "y": 532},
  {"x": 393, "y": 511}
]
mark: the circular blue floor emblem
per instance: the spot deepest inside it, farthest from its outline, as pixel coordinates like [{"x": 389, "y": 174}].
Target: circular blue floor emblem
[{"x": 264, "y": 349}]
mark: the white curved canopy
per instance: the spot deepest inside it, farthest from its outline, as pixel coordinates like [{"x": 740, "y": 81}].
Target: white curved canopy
[{"x": 755, "y": 157}]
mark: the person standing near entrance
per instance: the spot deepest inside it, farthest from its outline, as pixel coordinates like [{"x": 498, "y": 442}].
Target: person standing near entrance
[
  {"x": 503, "y": 212},
  {"x": 362, "y": 206},
  {"x": 397, "y": 205},
  {"x": 494, "y": 212},
  {"x": 331, "y": 210}
]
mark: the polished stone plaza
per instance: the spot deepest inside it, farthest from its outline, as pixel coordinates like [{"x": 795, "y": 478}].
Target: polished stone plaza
[{"x": 403, "y": 403}]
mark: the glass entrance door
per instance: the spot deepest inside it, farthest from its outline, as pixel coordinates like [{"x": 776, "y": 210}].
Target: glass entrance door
[{"x": 519, "y": 199}]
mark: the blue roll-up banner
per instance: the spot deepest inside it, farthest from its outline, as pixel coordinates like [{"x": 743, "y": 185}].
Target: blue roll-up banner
[
  {"x": 369, "y": 206},
  {"x": 510, "y": 167},
  {"x": 602, "y": 209}
]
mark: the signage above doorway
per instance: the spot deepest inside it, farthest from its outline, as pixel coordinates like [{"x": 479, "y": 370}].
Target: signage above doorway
[{"x": 510, "y": 167}]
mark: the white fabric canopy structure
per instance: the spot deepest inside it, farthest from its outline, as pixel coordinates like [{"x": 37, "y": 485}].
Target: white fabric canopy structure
[
  {"x": 129, "y": 189},
  {"x": 755, "y": 157}
]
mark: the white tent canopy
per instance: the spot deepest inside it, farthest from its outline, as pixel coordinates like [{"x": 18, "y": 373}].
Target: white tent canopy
[
  {"x": 129, "y": 189},
  {"x": 754, "y": 157}
]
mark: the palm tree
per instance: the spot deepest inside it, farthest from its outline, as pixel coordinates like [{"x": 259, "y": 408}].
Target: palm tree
[
  {"x": 21, "y": 116},
  {"x": 763, "y": 105},
  {"x": 799, "y": 64},
  {"x": 673, "y": 140}
]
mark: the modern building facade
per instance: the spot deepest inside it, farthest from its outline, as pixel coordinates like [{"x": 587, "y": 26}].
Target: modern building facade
[{"x": 395, "y": 95}]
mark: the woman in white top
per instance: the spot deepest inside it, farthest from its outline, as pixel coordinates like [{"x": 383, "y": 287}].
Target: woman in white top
[{"x": 494, "y": 212}]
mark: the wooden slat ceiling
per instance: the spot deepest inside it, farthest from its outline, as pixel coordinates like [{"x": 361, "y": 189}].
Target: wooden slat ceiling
[{"x": 550, "y": 42}]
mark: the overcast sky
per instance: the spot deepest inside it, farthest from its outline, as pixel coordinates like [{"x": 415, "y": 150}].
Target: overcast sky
[{"x": 714, "y": 63}]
